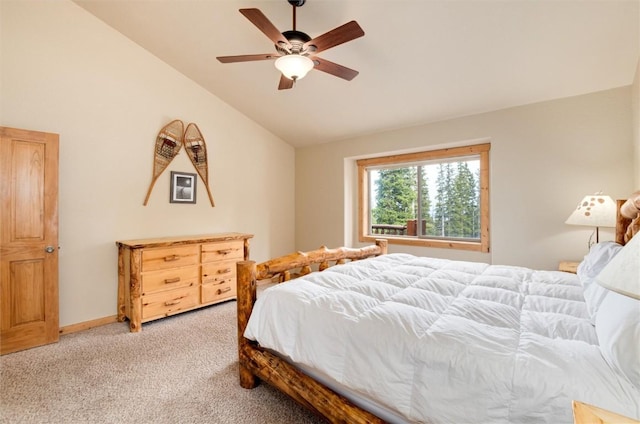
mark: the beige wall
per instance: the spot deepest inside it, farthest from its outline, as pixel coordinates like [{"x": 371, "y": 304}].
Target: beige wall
[
  {"x": 544, "y": 158},
  {"x": 66, "y": 72},
  {"x": 636, "y": 126}
]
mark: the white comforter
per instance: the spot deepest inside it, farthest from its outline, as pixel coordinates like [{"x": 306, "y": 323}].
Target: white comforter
[{"x": 446, "y": 341}]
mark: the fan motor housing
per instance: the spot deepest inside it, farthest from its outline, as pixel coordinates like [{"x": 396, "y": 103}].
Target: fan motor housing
[
  {"x": 296, "y": 39},
  {"x": 296, "y": 3}
]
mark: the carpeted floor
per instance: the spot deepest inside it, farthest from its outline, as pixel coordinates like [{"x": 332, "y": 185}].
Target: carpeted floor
[{"x": 181, "y": 369}]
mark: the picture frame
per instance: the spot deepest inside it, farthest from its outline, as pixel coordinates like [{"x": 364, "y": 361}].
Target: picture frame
[{"x": 183, "y": 187}]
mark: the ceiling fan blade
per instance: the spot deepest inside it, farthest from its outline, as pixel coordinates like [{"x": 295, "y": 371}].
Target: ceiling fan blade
[
  {"x": 246, "y": 57},
  {"x": 285, "y": 83},
  {"x": 264, "y": 24},
  {"x": 342, "y": 34},
  {"x": 334, "y": 69}
]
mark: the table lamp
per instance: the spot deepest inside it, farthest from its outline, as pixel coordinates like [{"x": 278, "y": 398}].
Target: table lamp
[{"x": 595, "y": 210}]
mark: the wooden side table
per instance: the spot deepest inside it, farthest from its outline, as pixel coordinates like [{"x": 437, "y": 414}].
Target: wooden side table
[
  {"x": 588, "y": 414},
  {"x": 569, "y": 266}
]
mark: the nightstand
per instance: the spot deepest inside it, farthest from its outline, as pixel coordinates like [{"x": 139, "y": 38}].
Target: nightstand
[
  {"x": 569, "y": 266},
  {"x": 589, "y": 414}
]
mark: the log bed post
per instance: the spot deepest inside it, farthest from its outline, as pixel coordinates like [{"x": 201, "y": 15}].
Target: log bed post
[
  {"x": 622, "y": 223},
  {"x": 246, "y": 293},
  {"x": 382, "y": 244}
]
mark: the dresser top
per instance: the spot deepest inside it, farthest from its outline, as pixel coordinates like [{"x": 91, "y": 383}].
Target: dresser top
[{"x": 180, "y": 240}]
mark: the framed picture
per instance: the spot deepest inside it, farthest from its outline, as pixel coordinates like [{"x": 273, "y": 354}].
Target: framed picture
[{"x": 183, "y": 187}]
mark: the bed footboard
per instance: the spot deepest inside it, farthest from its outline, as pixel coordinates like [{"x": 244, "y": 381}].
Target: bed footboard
[{"x": 257, "y": 364}]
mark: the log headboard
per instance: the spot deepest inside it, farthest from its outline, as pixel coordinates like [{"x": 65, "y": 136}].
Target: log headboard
[{"x": 628, "y": 218}]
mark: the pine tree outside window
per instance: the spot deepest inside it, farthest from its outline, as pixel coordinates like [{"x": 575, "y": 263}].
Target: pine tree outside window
[{"x": 437, "y": 198}]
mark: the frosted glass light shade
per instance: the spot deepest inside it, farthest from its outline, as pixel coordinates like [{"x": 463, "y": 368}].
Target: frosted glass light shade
[
  {"x": 294, "y": 66},
  {"x": 594, "y": 211},
  {"x": 622, "y": 273}
]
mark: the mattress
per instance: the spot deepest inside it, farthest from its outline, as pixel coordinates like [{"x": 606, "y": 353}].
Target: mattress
[{"x": 433, "y": 340}]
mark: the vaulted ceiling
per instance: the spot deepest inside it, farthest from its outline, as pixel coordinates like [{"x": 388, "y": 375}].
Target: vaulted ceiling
[{"x": 420, "y": 61}]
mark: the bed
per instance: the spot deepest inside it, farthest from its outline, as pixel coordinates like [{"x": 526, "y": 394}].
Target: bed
[{"x": 377, "y": 337}]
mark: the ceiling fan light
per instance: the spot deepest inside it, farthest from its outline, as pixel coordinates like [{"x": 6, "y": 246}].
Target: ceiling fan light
[{"x": 294, "y": 66}]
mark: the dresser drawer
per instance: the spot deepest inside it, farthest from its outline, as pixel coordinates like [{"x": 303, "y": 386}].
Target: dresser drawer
[
  {"x": 223, "y": 251},
  {"x": 222, "y": 290},
  {"x": 172, "y": 257},
  {"x": 215, "y": 272},
  {"x": 169, "y": 279},
  {"x": 169, "y": 302}
]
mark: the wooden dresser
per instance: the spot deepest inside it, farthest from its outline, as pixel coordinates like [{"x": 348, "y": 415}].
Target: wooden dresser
[{"x": 165, "y": 276}]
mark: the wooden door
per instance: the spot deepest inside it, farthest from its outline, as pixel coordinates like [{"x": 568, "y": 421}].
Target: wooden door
[{"x": 28, "y": 239}]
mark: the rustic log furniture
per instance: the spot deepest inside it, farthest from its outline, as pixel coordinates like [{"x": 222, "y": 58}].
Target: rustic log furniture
[
  {"x": 259, "y": 364},
  {"x": 589, "y": 414},
  {"x": 165, "y": 276},
  {"x": 569, "y": 266}
]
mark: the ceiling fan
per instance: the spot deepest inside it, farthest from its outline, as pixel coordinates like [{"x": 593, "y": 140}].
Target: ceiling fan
[{"x": 296, "y": 51}]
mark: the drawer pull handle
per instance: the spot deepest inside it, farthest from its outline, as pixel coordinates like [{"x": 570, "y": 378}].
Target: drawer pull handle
[
  {"x": 224, "y": 290},
  {"x": 224, "y": 251},
  {"x": 224, "y": 271},
  {"x": 173, "y": 302},
  {"x": 171, "y": 258},
  {"x": 172, "y": 280},
  {"x": 215, "y": 282}
]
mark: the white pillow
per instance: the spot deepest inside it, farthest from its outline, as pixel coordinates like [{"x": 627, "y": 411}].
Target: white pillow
[
  {"x": 618, "y": 330},
  {"x": 597, "y": 258}
]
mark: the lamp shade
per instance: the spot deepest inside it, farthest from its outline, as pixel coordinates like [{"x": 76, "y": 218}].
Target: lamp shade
[
  {"x": 294, "y": 66},
  {"x": 622, "y": 273},
  {"x": 594, "y": 211}
]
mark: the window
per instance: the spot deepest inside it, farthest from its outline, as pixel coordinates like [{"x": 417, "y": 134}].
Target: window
[{"x": 437, "y": 198}]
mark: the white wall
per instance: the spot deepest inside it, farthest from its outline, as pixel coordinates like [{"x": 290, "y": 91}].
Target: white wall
[
  {"x": 544, "y": 158},
  {"x": 66, "y": 72}
]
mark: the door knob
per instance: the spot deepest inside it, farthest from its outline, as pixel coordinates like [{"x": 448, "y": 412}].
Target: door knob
[{"x": 49, "y": 249}]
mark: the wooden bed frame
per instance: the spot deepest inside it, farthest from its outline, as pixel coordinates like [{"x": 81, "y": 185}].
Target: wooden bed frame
[{"x": 258, "y": 364}]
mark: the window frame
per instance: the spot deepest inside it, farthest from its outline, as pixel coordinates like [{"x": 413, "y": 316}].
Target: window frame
[{"x": 481, "y": 150}]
